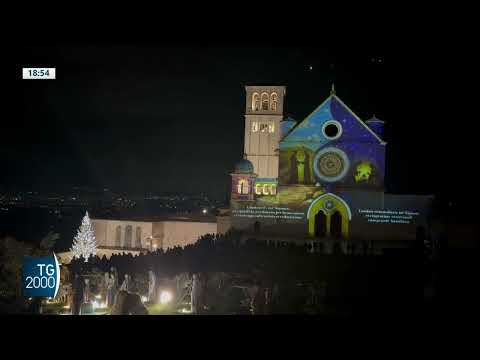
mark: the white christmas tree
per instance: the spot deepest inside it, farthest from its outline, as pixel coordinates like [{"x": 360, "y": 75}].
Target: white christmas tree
[{"x": 84, "y": 243}]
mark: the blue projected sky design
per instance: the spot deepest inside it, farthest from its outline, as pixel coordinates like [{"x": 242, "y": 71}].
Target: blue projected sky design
[
  {"x": 309, "y": 132},
  {"x": 286, "y": 126}
]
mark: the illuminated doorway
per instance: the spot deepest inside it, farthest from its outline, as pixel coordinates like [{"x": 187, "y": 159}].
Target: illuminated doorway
[
  {"x": 336, "y": 225},
  {"x": 320, "y": 224},
  {"x": 336, "y": 212}
]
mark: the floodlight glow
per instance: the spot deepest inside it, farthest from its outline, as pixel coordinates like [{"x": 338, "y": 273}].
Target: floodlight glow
[
  {"x": 165, "y": 297},
  {"x": 144, "y": 299},
  {"x": 94, "y": 304},
  {"x": 98, "y": 296},
  {"x": 204, "y": 211}
]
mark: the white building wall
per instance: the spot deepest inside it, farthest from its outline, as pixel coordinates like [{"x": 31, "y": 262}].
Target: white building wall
[
  {"x": 165, "y": 234},
  {"x": 182, "y": 233},
  {"x": 106, "y": 230}
]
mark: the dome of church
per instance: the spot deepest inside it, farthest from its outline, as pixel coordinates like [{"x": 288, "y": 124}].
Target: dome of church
[
  {"x": 374, "y": 119},
  {"x": 244, "y": 166},
  {"x": 376, "y": 125}
]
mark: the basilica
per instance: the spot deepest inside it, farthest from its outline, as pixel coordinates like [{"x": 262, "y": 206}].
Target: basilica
[{"x": 319, "y": 178}]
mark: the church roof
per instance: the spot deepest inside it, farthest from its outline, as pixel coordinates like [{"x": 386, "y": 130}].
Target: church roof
[
  {"x": 244, "y": 166},
  {"x": 374, "y": 120},
  {"x": 289, "y": 118},
  {"x": 310, "y": 129}
]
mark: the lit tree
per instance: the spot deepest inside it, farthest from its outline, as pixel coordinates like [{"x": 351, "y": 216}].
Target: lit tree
[{"x": 84, "y": 243}]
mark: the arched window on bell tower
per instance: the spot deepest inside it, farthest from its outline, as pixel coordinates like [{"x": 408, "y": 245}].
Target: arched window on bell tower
[
  {"x": 265, "y": 101},
  {"x": 242, "y": 187},
  {"x": 255, "y": 101},
  {"x": 273, "y": 101}
]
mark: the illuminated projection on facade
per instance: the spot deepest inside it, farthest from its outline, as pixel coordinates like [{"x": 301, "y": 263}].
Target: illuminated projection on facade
[{"x": 320, "y": 177}]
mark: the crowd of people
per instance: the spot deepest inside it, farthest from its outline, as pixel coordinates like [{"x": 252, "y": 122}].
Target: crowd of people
[
  {"x": 218, "y": 253},
  {"x": 273, "y": 268}
]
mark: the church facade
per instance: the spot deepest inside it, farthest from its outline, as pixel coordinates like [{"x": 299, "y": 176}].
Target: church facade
[{"x": 320, "y": 178}]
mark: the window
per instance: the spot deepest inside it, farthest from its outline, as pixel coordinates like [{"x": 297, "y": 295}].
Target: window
[
  {"x": 266, "y": 189},
  {"x": 245, "y": 187},
  {"x": 242, "y": 187},
  {"x": 128, "y": 236},
  {"x": 332, "y": 129},
  {"x": 263, "y": 127},
  {"x": 118, "y": 236},
  {"x": 265, "y": 101},
  {"x": 273, "y": 101},
  {"x": 255, "y": 102},
  {"x": 138, "y": 237}
]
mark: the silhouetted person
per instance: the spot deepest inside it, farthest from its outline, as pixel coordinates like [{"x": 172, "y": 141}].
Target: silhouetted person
[
  {"x": 78, "y": 293},
  {"x": 196, "y": 294},
  {"x": 35, "y": 307},
  {"x": 258, "y": 301}
]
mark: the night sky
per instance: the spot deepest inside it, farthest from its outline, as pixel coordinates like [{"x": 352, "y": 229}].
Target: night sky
[{"x": 139, "y": 118}]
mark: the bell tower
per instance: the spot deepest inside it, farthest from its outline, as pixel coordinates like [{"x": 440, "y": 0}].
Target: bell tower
[{"x": 263, "y": 114}]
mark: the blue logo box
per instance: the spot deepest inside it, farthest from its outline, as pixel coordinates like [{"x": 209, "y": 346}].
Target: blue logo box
[{"x": 41, "y": 276}]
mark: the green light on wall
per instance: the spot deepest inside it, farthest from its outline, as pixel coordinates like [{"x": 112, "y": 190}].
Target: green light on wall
[{"x": 363, "y": 171}]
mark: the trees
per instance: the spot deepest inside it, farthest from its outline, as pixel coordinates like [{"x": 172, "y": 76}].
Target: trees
[
  {"x": 49, "y": 241},
  {"x": 12, "y": 254},
  {"x": 84, "y": 244}
]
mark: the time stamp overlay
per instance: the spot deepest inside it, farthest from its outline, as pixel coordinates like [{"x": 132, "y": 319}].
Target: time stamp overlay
[
  {"x": 41, "y": 276},
  {"x": 38, "y": 73}
]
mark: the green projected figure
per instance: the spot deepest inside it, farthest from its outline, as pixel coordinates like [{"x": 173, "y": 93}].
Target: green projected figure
[
  {"x": 364, "y": 171},
  {"x": 301, "y": 166}
]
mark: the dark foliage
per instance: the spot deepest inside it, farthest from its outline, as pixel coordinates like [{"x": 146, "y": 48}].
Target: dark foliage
[{"x": 358, "y": 284}]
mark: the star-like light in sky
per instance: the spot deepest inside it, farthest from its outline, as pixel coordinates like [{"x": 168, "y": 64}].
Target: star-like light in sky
[{"x": 310, "y": 67}]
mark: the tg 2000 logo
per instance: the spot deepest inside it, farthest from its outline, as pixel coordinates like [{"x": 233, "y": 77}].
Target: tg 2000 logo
[{"x": 41, "y": 276}]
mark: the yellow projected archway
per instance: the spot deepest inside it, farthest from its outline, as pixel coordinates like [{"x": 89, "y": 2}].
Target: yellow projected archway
[{"x": 329, "y": 204}]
